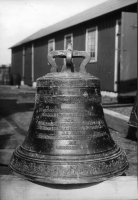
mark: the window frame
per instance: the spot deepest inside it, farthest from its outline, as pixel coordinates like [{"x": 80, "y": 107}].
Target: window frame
[
  {"x": 96, "y": 43},
  {"x": 65, "y": 42},
  {"x": 71, "y": 34},
  {"x": 49, "y": 41}
]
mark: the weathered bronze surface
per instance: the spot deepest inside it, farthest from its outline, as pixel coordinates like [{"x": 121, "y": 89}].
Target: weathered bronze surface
[{"x": 68, "y": 139}]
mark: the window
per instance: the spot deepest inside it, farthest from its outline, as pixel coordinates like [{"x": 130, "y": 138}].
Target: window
[
  {"x": 68, "y": 39},
  {"x": 51, "y": 45},
  {"x": 92, "y": 43}
]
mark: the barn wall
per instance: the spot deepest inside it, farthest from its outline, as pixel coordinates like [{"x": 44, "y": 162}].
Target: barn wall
[
  {"x": 17, "y": 60},
  {"x": 28, "y": 64},
  {"x": 78, "y": 34},
  {"x": 41, "y": 66},
  {"x": 59, "y": 45},
  {"x": 103, "y": 68}
]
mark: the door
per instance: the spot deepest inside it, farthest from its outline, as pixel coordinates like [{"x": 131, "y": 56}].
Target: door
[
  {"x": 28, "y": 65},
  {"x": 128, "y": 55}
]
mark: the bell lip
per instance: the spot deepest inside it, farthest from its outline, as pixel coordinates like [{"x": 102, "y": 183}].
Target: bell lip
[
  {"x": 79, "y": 179},
  {"x": 67, "y": 180}
]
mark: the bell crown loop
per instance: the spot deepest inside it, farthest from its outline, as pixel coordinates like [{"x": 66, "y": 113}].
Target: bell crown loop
[{"x": 68, "y": 54}]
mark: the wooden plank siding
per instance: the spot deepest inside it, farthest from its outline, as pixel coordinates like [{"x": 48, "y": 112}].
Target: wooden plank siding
[
  {"x": 59, "y": 45},
  {"x": 28, "y": 64},
  {"x": 17, "y": 60},
  {"x": 40, "y": 58},
  {"x": 103, "y": 68}
]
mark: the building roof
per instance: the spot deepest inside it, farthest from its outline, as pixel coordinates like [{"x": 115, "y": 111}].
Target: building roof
[{"x": 96, "y": 11}]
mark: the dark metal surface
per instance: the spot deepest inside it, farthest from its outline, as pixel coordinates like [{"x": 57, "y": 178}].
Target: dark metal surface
[
  {"x": 68, "y": 54},
  {"x": 133, "y": 120},
  {"x": 68, "y": 140}
]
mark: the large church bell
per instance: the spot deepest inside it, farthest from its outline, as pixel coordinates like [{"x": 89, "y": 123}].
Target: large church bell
[{"x": 68, "y": 140}]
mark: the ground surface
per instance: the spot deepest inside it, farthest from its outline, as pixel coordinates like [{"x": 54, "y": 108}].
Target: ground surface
[
  {"x": 112, "y": 104},
  {"x": 123, "y": 110},
  {"x": 18, "y": 115}
]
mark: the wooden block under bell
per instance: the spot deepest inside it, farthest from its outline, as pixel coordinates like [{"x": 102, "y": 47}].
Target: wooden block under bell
[{"x": 123, "y": 187}]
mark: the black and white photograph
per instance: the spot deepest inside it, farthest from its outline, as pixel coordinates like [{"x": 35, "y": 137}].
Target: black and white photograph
[{"x": 68, "y": 100}]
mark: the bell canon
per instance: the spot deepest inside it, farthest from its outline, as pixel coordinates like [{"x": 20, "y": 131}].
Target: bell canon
[{"x": 68, "y": 140}]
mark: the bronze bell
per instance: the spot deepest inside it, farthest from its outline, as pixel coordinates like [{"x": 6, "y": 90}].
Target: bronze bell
[{"x": 68, "y": 139}]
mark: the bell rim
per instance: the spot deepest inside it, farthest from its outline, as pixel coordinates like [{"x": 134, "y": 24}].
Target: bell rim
[
  {"x": 79, "y": 180},
  {"x": 118, "y": 166}
]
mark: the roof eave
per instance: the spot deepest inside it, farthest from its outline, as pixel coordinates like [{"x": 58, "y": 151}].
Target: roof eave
[{"x": 79, "y": 18}]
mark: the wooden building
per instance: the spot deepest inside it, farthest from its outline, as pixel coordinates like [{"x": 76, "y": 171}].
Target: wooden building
[{"x": 108, "y": 31}]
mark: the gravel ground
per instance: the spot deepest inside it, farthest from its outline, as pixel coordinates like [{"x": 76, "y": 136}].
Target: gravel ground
[{"x": 21, "y": 114}]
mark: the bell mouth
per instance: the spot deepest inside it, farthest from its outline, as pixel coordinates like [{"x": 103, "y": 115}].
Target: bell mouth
[{"x": 68, "y": 171}]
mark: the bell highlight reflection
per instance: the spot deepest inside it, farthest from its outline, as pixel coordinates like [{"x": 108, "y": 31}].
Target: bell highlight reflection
[{"x": 68, "y": 139}]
